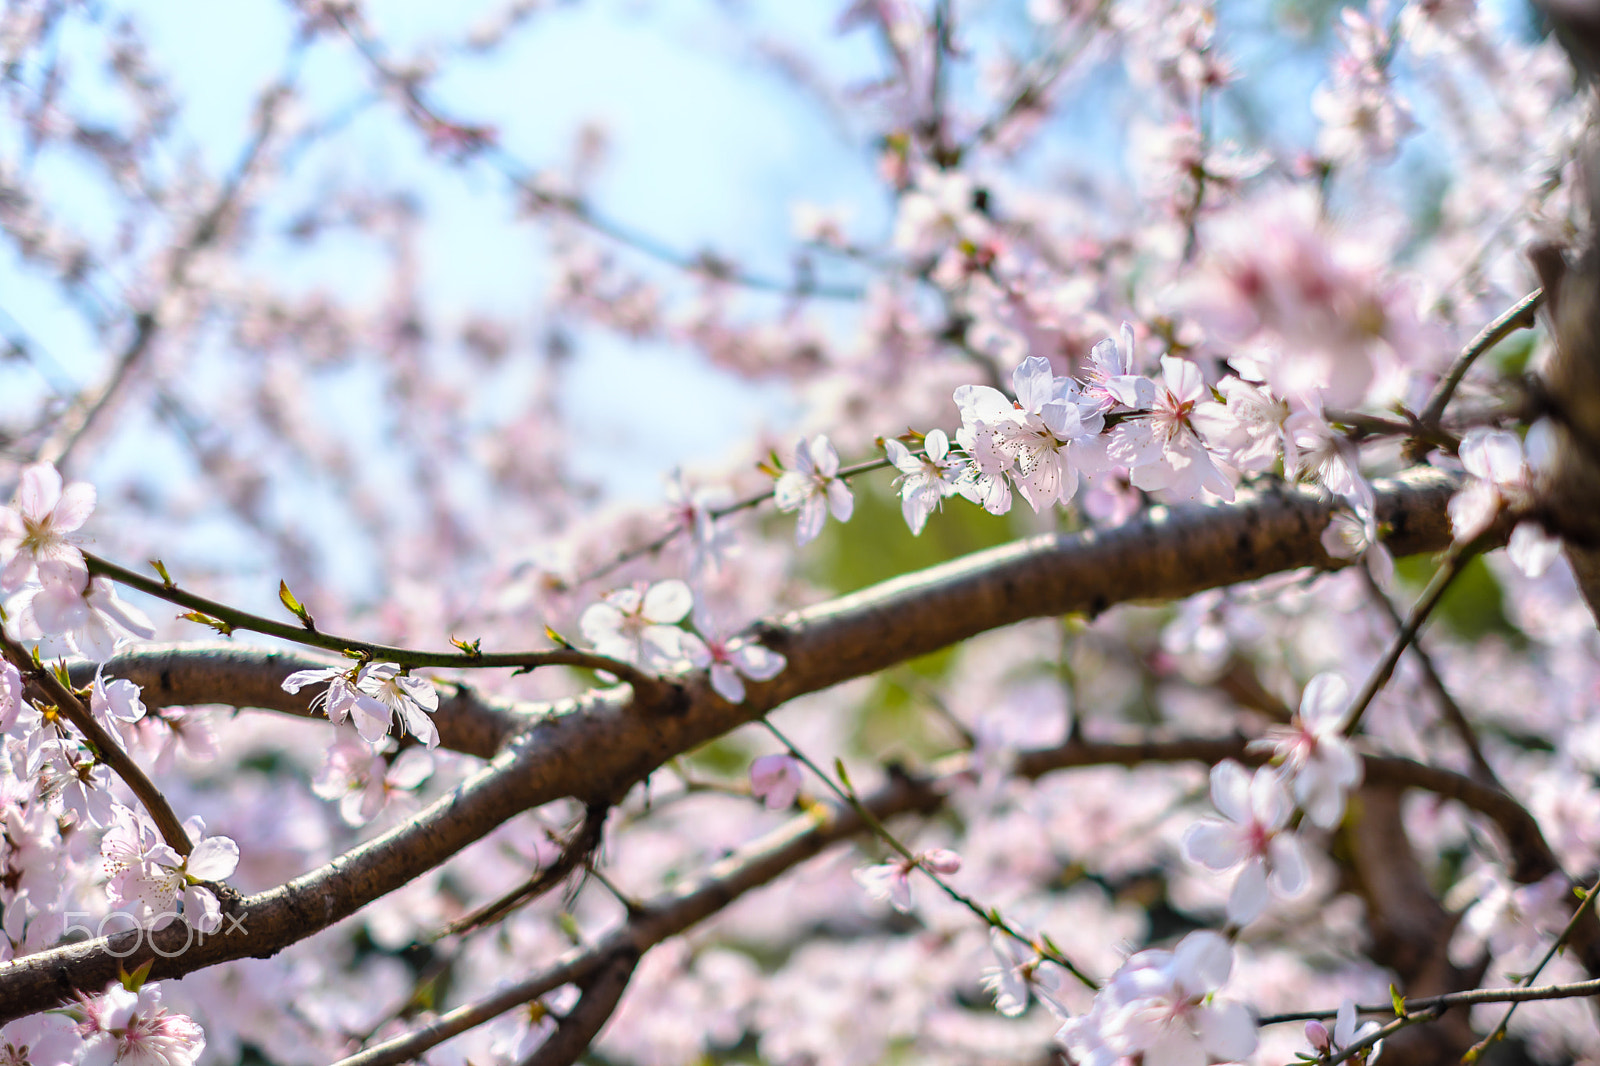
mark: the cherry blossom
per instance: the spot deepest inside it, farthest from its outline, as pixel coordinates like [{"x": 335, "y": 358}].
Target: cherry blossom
[
  {"x": 1161, "y": 444},
  {"x": 135, "y": 1029},
  {"x": 40, "y": 1040},
  {"x": 891, "y": 881},
  {"x": 149, "y": 875},
  {"x": 1313, "y": 752},
  {"x": 116, "y": 700},
  {"x": 413, "y": 699},
  {"x": 1032, "y": 434},
  {"x": 1255, "y": 835},
  {"x": 371, "y": 697},
  {"x": 39, "y": 524},
  {"x": 83, "y": 613},
  {"x": 730, "y": 658},
  {"x": 1353, "y": 535},
  {"x": 364, "y": 781},
  {"x": 11, "y": 700},
  {"x": 925, "y": 480},
  {"x": 1022, "y": 975},
  {"x": 640, "y": 626},
  {"x": 1161, "y": 1005},
  {"x": 813, "y": 488},
  {"x": 1345, "y": 1033}
]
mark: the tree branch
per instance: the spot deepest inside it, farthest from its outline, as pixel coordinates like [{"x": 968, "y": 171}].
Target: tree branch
[{"x": 599, "y": 745}]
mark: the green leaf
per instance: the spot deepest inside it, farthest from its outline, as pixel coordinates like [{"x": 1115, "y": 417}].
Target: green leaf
[
  {"x": 844, "y": 776},
  {"x": 135, "y": 980},
  {"x": 557, "y": 639},
  {"x": 473, "y": 648},
  {"x": 161, "y": 570},
  {"x": 1397, "y": 1001},
  {"x": 206, "y": 620},
  {"x": 295, "y": 607}
]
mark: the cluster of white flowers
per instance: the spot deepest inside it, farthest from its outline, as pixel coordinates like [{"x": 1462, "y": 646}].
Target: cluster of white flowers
[
  {"x": 370, "y": 696},
  {"x": 149, "y": 877},
  {"x": 1169, "y": 434}
]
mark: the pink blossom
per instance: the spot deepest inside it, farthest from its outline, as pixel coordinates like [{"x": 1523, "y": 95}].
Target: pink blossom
[
  {"x": 134, "y": 1029},
  {"x": 813, "y": 488},
  {"x": 1253, "y": 834},
  {"x": 731, "y": 658},
  {"x": 1503, "y": 478},
  {"x": 1161, "y": 446},
  {"x": 925, "y": 480},
  {"x": 37, "y": 527},
  {"x": 891, "y": 881},
  {"x": 82, "y": 612},
  {"x": 1161, "y": 1005},
  {"x": 1314, "y": 753}
]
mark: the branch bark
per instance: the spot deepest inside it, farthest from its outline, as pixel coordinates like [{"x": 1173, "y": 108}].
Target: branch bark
[{"x": 596, "y": 747}]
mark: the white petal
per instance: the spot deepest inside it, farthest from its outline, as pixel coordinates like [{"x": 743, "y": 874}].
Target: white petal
[
  {"x": 668, "y": 601},
  {"x": 213, "y": 859},
  {"x": 1249, "y": 896}
]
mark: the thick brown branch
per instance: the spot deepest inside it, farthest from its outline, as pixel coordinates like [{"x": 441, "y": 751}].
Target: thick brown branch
[{"x": 599, "y": 746}]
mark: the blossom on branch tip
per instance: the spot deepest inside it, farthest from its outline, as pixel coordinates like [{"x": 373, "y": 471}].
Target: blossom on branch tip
[
  {"x": 640, "y": 627},
  {"x": 775, "y": 780},
  {"x": 36, "y": 527},
  {"x": 813, "y": 488},
  {"x": 1253, "y": 834},
  {"x": 891, "y": 881},
  {"x": 1345, "y": 1033}
]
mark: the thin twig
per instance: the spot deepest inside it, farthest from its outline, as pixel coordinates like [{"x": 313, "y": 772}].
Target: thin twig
[
  {"x": 106, "y": 747},
  {"x": 1472, "y": 997},
  {"x": 578, "y": 847},
  {"x": 1454, "y": 559},
  {"x": 233, "y": 618},
  {"x": 1584, "y": 905},
  {"x": 990, "y": 916},
  {"x": 1452, "y": 711},
  {"x": 1519, "y": 316}
]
